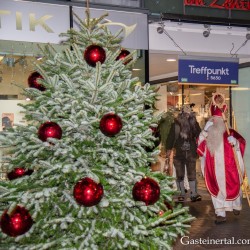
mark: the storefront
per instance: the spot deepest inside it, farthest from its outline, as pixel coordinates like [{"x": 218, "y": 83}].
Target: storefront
[
  {"x": 27, "y": 26},
  {"x": 211, "y": 29}
]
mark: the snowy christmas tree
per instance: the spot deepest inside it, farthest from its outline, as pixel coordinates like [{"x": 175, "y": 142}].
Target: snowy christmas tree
[{"x": 79, "y": 175}]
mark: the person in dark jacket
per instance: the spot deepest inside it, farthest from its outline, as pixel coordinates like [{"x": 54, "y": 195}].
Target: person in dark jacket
[{"x": 182, "y": 138}]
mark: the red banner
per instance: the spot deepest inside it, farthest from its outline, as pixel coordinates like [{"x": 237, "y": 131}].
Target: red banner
[{"x": 227, "y": 4}]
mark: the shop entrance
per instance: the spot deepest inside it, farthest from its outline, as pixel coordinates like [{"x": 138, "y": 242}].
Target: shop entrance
[{"x": 198, "y": 97}]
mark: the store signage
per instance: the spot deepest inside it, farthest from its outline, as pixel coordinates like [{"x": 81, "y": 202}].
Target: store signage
[
  {"x": 43, "y": 22},
  {"x": 212, "y": 71},
  {"x": 225, "y": 4},
  {"x": 32, "y": 22}
]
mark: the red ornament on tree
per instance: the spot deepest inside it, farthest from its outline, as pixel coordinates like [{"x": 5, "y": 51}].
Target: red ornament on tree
[
  {"x": 18, "y": 172},
  {"x": 94, "y": 54},
  {"x": 110, "y": 124},
  {"x": 17, "y": 222},
  {"x": 146, "y": 190},
  {"x": 33, "y": 81},
  {"x": 49, "y": 130},
  {"x": 122, "y": 55},
  {"x": 87, "y": 192}
]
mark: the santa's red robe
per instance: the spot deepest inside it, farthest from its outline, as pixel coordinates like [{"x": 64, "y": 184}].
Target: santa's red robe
[{"x": 228, "y": 178}]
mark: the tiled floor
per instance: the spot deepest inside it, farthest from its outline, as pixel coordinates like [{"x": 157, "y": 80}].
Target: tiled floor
[{"x": 203, "y": 229}]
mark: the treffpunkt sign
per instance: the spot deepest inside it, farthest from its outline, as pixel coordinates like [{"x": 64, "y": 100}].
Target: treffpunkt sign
[
  {"x": 211, "y": 71},
  {"x": 43, "y": 22}
]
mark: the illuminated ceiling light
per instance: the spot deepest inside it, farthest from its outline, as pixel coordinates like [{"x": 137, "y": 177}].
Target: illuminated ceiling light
[
  {"x": 171, "y": 60},
  {"x": 39, "y": 57},
  {"x": 136, "y": 69},
  {"x": 240, "y": 88}
]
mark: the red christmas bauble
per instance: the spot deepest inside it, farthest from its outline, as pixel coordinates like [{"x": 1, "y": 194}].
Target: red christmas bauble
[
  {"x": 16, "y": 223},
  {"x": 146, "y": 190},
  {"x": 33, "y": 81},
  {"x": 49, "y": 130},
  {"x": 110, "y": 124},
  {"x": 18, "y": 172},
  {"x": 87, "y": 192},
  {"x": 122, "y": 55},
  {"x": 94, "y": 54}
]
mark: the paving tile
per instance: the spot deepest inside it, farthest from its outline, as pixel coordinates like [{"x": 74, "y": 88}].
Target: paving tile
[{"x": 204, "y": 229}]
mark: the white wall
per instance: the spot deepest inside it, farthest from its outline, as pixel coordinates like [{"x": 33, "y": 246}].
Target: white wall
[
  {"x": 161, "y": 104},
  {"x": 241, "y": 104}
]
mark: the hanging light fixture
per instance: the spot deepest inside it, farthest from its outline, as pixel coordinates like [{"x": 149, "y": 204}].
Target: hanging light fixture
[
  {"x": 206, "y": 32},
  {"x": 160, "y": 30}
]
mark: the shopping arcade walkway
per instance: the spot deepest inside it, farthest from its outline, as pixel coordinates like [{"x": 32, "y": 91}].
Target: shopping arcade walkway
[{"x": 235, "y": 228}]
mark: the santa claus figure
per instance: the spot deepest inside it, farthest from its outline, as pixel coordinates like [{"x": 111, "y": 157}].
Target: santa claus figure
[{"x": 218, "y": 163}]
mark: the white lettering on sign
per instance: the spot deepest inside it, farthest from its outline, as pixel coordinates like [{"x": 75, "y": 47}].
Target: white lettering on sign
[{"x": 208, "y": 71}]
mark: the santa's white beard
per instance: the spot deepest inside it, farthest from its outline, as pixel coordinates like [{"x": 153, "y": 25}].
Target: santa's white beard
[{"x": 215, "y": 134}]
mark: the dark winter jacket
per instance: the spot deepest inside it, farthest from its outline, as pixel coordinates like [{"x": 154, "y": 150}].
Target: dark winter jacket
[{"x": 174, "y": 140}]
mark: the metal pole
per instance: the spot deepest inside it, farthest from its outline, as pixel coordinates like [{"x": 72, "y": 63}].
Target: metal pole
[
  {"x": 182, "y": 95},
  {"x": 230, "y": 108}
]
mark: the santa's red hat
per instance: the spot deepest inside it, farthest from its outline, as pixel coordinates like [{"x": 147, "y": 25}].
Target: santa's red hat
[
  {"x": 216, "y": 111},
  {"x": 218, "y": 104}
]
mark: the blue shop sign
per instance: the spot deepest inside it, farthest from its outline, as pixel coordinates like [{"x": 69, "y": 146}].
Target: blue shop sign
[{"x": 204, "y": 71}]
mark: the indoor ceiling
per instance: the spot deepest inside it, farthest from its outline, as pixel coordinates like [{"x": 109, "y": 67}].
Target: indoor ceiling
[
  {"x": 170, "y": 39},
  {"x": 159, "y": 66}
]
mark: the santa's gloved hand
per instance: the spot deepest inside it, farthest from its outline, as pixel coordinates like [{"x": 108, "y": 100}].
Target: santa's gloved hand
[
  {"x": 208, "y": 125},
  {"x": 232, "y": 140}
]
